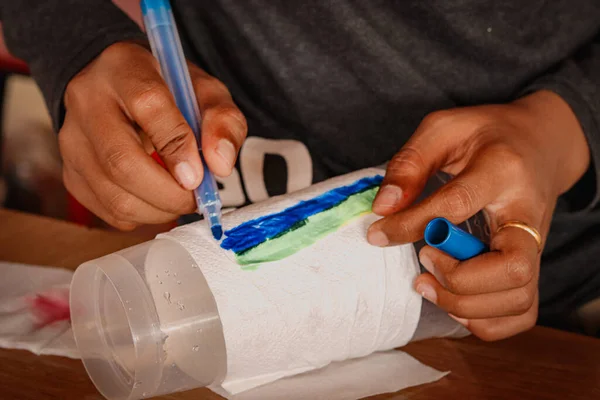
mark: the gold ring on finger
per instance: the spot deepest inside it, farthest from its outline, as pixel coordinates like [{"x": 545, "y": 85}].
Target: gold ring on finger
[{"x": 525, "y": 227}]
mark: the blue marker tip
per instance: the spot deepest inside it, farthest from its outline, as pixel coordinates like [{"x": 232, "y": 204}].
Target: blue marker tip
[
  {"x": 217, "y": 231},
  {"x": 449, "y": 238}
]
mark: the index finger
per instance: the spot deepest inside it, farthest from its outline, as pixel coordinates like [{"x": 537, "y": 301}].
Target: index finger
[
  {"x": 147, "y": 100},
  {"x": 224, "y": 127},
  {"x": 128, "y": 165},
  {"x": 478, "y": 185}
]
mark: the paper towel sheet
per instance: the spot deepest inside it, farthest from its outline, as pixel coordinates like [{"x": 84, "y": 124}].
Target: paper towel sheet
[
  {"x": 384, "y": 372},
  {"x": 25, "y": 326}
]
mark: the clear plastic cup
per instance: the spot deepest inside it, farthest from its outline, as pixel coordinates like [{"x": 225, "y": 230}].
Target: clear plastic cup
[{"x": 146, "y": 322}]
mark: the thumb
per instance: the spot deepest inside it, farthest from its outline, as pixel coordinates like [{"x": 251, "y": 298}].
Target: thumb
[
  {"x": 404, "y": 180},
  {"x": 426, "y": 152}
]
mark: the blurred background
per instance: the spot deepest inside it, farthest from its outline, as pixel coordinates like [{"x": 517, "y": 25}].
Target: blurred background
[{"x": 30, "y": 164}]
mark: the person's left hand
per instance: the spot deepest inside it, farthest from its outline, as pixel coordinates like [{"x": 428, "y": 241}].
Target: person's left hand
[{"x": 512, "y": 161}]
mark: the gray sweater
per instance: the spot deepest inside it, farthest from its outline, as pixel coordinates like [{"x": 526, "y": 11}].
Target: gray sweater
[{"x": 350, "y": 80}]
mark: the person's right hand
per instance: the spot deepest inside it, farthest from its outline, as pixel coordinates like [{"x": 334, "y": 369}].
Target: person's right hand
[{"x": 119, "y": 110}]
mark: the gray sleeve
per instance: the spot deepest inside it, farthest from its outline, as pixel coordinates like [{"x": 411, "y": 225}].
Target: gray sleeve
[
  {"x": 57, "y": 38},
  {"x": 577, "y": 81}
]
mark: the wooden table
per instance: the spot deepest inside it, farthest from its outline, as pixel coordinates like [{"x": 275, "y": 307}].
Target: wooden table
[{"x": 540, "y": 364}]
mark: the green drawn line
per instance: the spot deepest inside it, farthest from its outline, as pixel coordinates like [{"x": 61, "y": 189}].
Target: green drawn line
[{"x": 309, "y": 231}]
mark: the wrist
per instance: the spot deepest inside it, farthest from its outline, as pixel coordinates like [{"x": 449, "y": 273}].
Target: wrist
[{"x": 556, "y": 129}]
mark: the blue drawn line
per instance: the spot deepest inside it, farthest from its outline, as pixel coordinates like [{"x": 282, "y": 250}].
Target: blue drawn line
[{"x": 256, "y": 231}]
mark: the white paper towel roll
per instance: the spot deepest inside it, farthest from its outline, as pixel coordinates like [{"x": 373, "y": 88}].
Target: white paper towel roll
[{"x": 337, "y": 299}]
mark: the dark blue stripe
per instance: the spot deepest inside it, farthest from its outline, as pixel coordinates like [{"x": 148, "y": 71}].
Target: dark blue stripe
[{"x": 256, "y": 231}]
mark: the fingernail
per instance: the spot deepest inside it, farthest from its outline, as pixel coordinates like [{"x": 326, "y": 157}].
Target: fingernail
[
  {"x": 427, "y": 291},
  {"x": 377, "y": 238},
  {"x": 226, "y": 150},
  {"x": 186, "y": 176},
  {"x": 388, "y": 196},
  {"x": 428, "y": 264},
  {"x": 462, "y": 321}
]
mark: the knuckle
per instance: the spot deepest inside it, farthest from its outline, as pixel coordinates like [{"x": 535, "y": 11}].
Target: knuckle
[
  {"x": 515, "y": 164},
  {"x": 118, "y": 164},
  {"x": 438, "y": 118},
  {"x": 116, "y": 50},
  {"x": 459, "y": 306},
  {"x": 395, "y": 229},
  {"x": 173, "y": 142},
  {"x": 232, "y": 116},
  {"x": 401, "y": 230},
  {"x": 78, "y": 87},
  {"x": 519, "y": 269},
  {"x": 523, "y": 300},
  {"x": 228, "y": 113},
  {"x": 215, "y": 83},
  {"x": 67, "y": 181},
  {"x": 149, "y": 100},
  {"x": 74, "y": 91},
  {"x": 65, "y": 137},
  {"x": 530, "y": 319},
  {"x": 123, "y": 226},
  {"x": 71, "y": 154},
  {"x": 452, "y": 282},
  {"x": 512, "y": 162},
  {"x": 407, "y": 161},
  {"x": 204, "y": 83},
  {"x": 121, "y": 207},
  {"x": 459, "y": 200},
  {"x": 492, "y": 332},
  {"x": 489, "y": 333}
]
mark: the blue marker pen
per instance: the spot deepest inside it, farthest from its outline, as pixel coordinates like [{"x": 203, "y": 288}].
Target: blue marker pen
[
  {"x": 449, "y": 238},
  {"x": 166, "y": 47}
]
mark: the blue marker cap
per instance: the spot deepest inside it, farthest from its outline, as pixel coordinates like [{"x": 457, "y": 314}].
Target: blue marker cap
[{"x": 449, "y": 238}]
